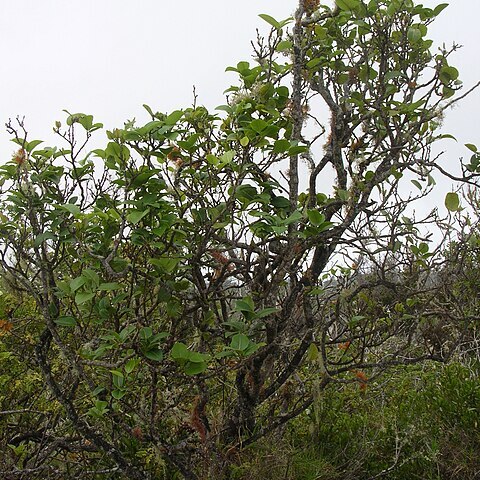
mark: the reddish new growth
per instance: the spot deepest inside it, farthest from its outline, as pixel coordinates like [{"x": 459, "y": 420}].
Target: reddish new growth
[
  {"x": 198, "y": 419},
  {"x": 363, "y": 379},
  {"x": 137, "y": 433},
  {"x": 222, "y": 260},
  {"x": 344, "y": 346},
  {"x": 5, "y": 327},
  {"x": 20, "y": 156},
  {"x": 311, "y": 5},
  {"x": 176, "y": 157}
]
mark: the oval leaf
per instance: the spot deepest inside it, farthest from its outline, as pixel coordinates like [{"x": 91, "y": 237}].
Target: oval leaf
[
  {"x": 270, "y": 20},
  {"x": 452, "y": 202},
  {"x": 239, "y": 342},
  {"x": 194, "y": 368},
  {"x": 65, "y": 321},
  {"x": 83, "y": 297},
  {"x": 155, "y": 354}
]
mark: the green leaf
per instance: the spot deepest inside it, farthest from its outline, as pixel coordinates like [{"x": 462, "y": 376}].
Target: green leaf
[
  {"x": 246, "y": 193},
  {"x": 447, "y": 92},
  {"x": 197, "y": 357},
  {"x": 270, "y": 20},
  {"x": 126, "y": 332},
  {"x": 446, "y": 136},
  {"x": 347, "y": 4},
  {"x": 258, "y": 125},
  {"x": 343, "y": 195},
  {"x": 70, "y": 207},
  {"x": 281, "y": 146},
  {"x": 312, "y": 353},
  {"x": 158, "y": 337},
  {"x": 76, "y": 283},
  {"x": 100, "y": 406},
  {"x": 174, "y": 308},
  {"x": 135, "y": 216},
  {"x": 315, "y": 217},
  {"x": 294, "y": 217},
  {"x": 439, "y": 8},
  {"x": 471, "y": 147},
  {"x": 423, "y": 248},
  {"x": 141, "y": 178},
  {"x": 448, "y": 74},
  {"x": 296, "y": 149},
  {"x": 86, "y": 121},
  {"x": 42, "y": 237},
  {"x": 148, "y": 109},
  {"x": 29, "y": 146},
  {"x": 118, "y": 394},
  {"x": 252, "y": 348},
  {"x": 414, "y": 34},
  {"x": 109, "y": 286},
  {"x": 146, "y": 333},
  {"x": 155, "y": 354},
  {"x": 212, "y": 159},
  {"x": 117, "y": 373},
  {"x": 194, "y": 368},
  {"x": 130, "y": 365},
  {"x": 417, "y": 184},
  {"x": 100, "y": 153},
  {"x": 266, "y": 312},
  {"x": 174, "y": 117},
  {"x": 280, "y": 202},
  {"x": 244, "y": 141},
  {"x": 165, "y": 264},
  {"x": 237, "y": 326},
  {"x": 92, "y": 276},
  {"x": 239, "y": 342},
  {"x": 227, "y": 157},
  {"x": 65, "y": 321},
  {"x": 245, "y": 305},
  {"x": 356, "y": 319},
  {"x": 222, "y": 354},
  {"x": 452, "y": 202},
  {"x": 284, "y": 45},
  {"x": 83, "y": 297},
  {"x": 179, "y": 351},
  {"x": 243, "y": 67},
  {"x": 224, "y": 108},
  {"x": 118, "y": 378}
]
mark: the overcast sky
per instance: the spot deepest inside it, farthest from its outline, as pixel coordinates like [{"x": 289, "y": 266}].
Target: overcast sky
[{"x": 108, "y": 57}]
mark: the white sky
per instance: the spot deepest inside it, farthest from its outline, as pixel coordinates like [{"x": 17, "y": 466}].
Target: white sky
[{"x": 108, "y": 57}]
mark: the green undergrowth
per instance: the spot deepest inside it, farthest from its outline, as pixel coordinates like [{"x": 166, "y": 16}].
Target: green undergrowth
[{"x": 417, "y": 423}]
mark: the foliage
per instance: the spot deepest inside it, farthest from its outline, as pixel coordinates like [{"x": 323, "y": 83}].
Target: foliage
[
  {"x": 190, "y": 288},
  {"x": 425, "y": 426}
]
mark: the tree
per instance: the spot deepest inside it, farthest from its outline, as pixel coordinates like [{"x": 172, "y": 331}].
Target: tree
[{"x": 192, "y": 285}]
